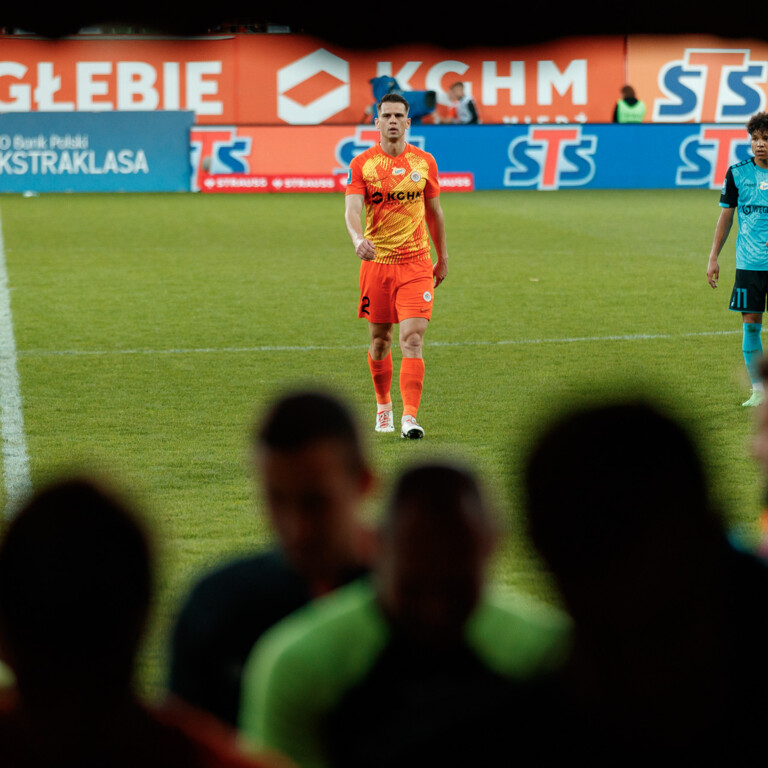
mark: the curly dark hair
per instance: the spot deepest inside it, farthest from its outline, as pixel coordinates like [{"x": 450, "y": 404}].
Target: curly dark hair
[{"x": 758, "y": 122}]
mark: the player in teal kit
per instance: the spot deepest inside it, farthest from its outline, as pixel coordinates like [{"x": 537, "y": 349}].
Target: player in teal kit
[{"x": 746, "y": 188}]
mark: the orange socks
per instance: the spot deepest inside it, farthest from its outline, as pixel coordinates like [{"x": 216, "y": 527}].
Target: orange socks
[
  {"x": 411, "y": 384},
  {"x": 411, "y": 381},
  {"x": 381, "y": 373}
]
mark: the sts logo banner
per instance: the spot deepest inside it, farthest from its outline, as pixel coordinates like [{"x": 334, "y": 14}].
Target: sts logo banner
[
  {"x": 551, "y": 157},
  {"x": 707, "y": 155},
  {"x": 711, "y": 85},
  {"x": 217, "y": 150}
]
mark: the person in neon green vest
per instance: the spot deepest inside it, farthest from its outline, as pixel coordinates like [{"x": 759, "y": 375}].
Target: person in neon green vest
[{"x": 629, "y": 109}]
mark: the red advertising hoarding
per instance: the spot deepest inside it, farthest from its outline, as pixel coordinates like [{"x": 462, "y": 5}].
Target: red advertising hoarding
[
  {"x": 299, "y": 80},
  {"x": 278, "y": 80},
  {"x": 302, "y": 182}
]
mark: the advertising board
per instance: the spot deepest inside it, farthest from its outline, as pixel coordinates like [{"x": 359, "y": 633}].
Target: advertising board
[
  {"x": 542, "y": 157},
  {"x": 699, "y": 79},
  {"x": 95, "y": 152},
  {"x": 300, "y": 80},
  {"x": 283, "y": 80}
]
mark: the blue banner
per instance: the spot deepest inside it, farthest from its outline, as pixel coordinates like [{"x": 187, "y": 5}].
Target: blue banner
[
  {"x": 95, "y": 151},
  {"x": 576, "y": 156}
]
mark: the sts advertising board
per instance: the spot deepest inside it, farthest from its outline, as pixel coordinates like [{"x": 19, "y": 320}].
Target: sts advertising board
[{"x": 541, "y": 157}]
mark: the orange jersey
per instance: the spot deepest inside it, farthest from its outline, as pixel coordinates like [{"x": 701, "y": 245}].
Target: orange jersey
[{"x": 395, "y": 190}]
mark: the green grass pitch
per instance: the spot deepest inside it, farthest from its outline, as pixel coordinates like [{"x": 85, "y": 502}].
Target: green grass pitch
[{"x": 151, "y": 328}]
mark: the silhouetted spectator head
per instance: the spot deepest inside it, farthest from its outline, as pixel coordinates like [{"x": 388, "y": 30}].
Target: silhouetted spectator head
[
  {"x": 436, "y": 539},
  {"x": 75, "y": 586},
  {"x": 314, "y": 475},
  {"x": 619, "y": 507}
]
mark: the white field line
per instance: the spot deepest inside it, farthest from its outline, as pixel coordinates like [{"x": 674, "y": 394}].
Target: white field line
[
  {"x": 342, "y": 347},
  {"x": 16, "y": 473}
]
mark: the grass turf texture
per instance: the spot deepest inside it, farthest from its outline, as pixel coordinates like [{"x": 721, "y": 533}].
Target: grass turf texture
[{"x": 151, "y": 328}]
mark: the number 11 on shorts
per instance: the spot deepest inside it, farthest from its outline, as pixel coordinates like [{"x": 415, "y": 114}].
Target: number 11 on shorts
[{"x": 739, "y": 298}]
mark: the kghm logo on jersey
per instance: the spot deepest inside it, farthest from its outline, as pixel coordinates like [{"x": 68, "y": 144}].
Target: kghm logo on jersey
[
  {"x": 551, "y": 157},
  {"x": 399, "y": 197},
  {"x": 711, "y": 85},
  {"x": 707, "y": 154}
]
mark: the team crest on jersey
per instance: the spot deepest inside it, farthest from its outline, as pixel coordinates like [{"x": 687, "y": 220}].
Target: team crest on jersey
[
  {"x": 427, "y": 296},
  {"x": 415, "y": 177},
  {"x": 763, "y": 186}
]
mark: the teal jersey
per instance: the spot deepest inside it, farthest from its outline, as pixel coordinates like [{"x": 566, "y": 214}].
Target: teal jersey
[{"x": 746, "y": 189}]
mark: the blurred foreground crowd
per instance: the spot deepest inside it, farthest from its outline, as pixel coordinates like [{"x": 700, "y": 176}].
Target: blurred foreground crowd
[{"x": 389, "y": 645}]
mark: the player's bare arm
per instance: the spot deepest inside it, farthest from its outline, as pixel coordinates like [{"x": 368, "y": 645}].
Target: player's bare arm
[
  {"x": 722, "y": 230},
  {"x": 436, "y": 226},
  {"x": 352, "y": 216}
]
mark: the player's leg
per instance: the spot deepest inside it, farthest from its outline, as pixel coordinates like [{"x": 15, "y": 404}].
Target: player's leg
[
  {"x": 377, "y": 306},
  {"x": 752, "y": 348},
  {"x": 748, "y": 297},
  {"x": 411, "y": 339},
  {"x": 414, "y": 309},
  {"x": 380, "y": 364}
]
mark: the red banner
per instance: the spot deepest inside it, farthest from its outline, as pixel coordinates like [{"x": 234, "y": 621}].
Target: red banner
[
  {"x": 298, "y": 80},
  {"x": 242, "y": 182}
]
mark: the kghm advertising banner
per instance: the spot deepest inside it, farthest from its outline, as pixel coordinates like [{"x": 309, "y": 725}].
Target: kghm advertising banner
[
  {"x": 299, "y": 80},
  {"x": 95, "y": 152}
]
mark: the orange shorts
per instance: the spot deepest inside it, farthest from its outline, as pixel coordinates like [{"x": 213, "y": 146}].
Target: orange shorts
[{"x": 390, "y": 293}]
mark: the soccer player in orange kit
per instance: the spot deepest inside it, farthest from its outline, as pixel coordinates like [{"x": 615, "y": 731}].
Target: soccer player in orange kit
[{"x": 398, "y": 186}]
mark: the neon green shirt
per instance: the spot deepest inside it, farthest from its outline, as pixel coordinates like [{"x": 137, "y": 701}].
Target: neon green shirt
[{"x": 302, "y": 667}]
